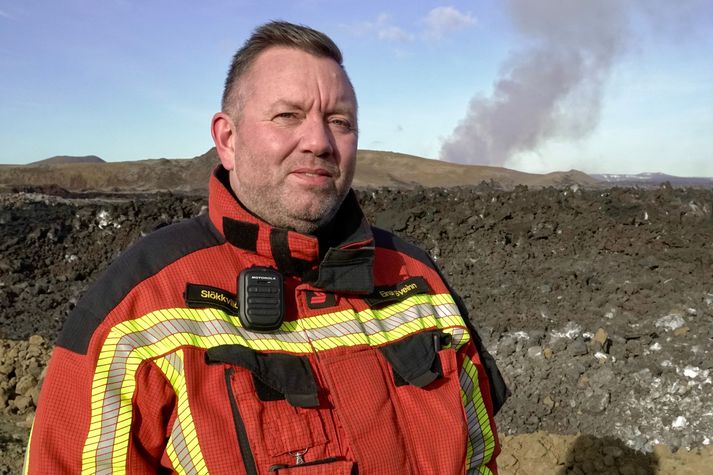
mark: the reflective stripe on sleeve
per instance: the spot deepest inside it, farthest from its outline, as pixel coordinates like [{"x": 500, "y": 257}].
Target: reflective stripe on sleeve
[{"x": 481, "y": 442}]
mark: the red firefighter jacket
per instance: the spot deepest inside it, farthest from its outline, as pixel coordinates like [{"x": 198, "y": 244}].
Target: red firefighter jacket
[{"x": 373, "y": 371}]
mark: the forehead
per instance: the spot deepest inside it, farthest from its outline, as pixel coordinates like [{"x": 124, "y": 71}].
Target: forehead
[{"x": 290, "y": 73}]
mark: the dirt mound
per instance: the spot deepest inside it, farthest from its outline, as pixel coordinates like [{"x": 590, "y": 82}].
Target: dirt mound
[
  {"x": 550, "y": 454},
  {"x": 597, "y": 305}
]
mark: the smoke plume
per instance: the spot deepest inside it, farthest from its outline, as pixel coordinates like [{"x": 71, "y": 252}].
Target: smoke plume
[{"x": 554, "y": 87}]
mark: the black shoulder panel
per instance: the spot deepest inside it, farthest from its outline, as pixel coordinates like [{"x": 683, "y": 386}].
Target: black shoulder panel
[
  {"x": 142, "y": 260},
  {"x": 387, "y": 240}
]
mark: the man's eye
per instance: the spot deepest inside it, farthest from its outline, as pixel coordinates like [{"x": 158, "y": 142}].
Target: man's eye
[
  {"x": 285, "y": 116},
  {"x": 341, "y": 124}
]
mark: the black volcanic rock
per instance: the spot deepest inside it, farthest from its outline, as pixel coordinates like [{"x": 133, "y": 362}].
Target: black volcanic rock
[{"x": 597, "y": 304}]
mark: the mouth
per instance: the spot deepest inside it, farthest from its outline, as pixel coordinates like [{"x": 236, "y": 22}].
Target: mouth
[
  {"x": 314, "y": 177},
  {"x": 313, "y": 172}
]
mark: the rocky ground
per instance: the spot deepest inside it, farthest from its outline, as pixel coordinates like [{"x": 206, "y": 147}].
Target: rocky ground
[{"x": 597, "y": 304}]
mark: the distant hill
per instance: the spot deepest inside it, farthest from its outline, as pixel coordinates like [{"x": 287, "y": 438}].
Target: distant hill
[
  {"x": 374, "y": 169},
  {"x": 646, "y": 179},
  {"x": 62, "y": 159}
]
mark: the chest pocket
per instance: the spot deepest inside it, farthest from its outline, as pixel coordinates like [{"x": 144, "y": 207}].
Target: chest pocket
[
  {"x": 401, "y": 406},
  {"x": 276, "y": 409}
]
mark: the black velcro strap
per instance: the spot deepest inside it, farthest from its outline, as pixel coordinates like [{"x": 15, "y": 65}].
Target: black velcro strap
[
  {"x": 281, "y": 253},
  {"x": 241, "y": 234},
  {"x": 386, "y": 294},
  {"x": 287, "y": 374},
  {"x": 415, "y": 359},
  {"x": 347, "y": 270},
  {"x": 436, "y": 369},
  {"x": 265, "y": 392}
]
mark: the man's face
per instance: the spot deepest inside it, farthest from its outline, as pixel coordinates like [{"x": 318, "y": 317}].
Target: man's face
[{"x": 295, "y": 139}]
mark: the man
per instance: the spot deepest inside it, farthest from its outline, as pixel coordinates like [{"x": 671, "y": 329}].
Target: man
[{"x": 280, "y": 333}]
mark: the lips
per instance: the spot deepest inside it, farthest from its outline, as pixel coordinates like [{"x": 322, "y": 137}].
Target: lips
[{"x": 313, "y": 172}]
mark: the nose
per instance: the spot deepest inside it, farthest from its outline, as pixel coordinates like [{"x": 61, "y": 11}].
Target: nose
[{"x": 316, "y": 137}]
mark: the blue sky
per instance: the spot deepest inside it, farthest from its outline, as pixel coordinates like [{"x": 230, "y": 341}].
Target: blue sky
[{"x": 130, "y": 79}]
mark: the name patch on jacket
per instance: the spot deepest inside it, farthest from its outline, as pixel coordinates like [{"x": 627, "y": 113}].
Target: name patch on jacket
[
  {"x": 398, "y": 292},
  {"x": 317, "y": 299},
  {"x": 201, "y": 296}
]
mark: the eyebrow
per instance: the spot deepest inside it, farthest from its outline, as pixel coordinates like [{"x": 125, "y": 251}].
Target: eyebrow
[
  {"x": 341, "y": 107},
  {"x": 285, "y": 103}
]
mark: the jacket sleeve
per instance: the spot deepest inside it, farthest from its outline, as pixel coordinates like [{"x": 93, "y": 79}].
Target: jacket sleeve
[
  {"x": 482, "y": 446},
  {"x": 483, "y": 392},
  {"x": 62, "y": 417},
  {"x": 59, "y": 442}
]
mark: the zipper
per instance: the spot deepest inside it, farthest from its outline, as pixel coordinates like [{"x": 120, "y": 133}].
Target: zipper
[
  {"x": 243, "y": 443},
  {"x": 275, "y": 468}
]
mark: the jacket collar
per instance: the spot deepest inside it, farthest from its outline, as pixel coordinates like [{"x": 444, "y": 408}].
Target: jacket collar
[{"x": 337, "y": 258}]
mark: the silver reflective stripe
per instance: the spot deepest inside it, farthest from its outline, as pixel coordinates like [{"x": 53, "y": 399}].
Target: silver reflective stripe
[
  {"x": 475, "y": 433},
  {"x": 179, "y": 445},
  {"x": 481, "y": 439}
]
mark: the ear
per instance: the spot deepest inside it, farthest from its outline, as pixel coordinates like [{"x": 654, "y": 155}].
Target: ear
[{"x": 223, "y": 131}]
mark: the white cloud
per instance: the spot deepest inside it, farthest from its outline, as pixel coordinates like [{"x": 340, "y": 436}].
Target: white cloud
[
  {"x": 382, "y": 28},
  {"x": 394, "y": 33},
  {"x": 443, "y": 20},
  {"x": 437, "y": 23}
]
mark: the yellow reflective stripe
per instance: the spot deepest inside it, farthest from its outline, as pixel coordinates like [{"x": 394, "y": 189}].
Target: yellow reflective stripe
[
  {"x": 480, "y": 470},
  {"x": 161, "y": 332},
  {"x": 182, "y": 448},
  {"x": 26, "y": 463},
  {"x": 481, "y": 441}
]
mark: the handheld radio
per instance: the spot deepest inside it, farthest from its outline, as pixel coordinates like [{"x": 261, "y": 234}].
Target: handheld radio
[{"x": 261, "y": 299}]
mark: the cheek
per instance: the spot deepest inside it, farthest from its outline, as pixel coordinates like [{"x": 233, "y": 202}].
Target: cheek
[
  {"x": 260, "y": 152},
  {"x": 347, "y": 152},
  {"x": 264, "y": 139}
]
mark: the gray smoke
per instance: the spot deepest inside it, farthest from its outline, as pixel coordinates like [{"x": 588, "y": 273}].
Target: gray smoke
[{"x": 554, "y": 87}]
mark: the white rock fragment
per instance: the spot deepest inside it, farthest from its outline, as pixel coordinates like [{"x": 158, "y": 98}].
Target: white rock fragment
[
  {"x": 672, "y": 321},
  {"x": 691, "y": 372},
  {"x": 601, "y": 356},
  {"x": 535, "y": 352},
  {"x": 571, "y": 330},
  {"x": 655, "y": 347},
  {"x": 103, "y": 218},
  {"x": 679, "y": 423}
]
